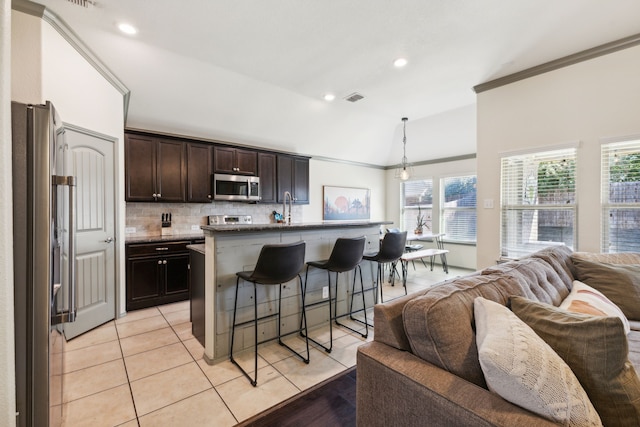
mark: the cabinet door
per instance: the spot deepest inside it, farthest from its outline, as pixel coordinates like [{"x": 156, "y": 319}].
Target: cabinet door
[
  {"x": 140, "y": 169},
  {"x": 301, "y": 180},
  {"x": 267, "y": 174},
  {"x": 177, "y": 276},
  {"x": 293, "y": 176},
  {"x": 199, "y": 170},
  {"x": 285, "y": 176},
  {"x": 171, "y": 173},
  {"x": 144, "y": 278},
  {"x": 224, "y": 160},
  {"x": 246, "y": 162}
]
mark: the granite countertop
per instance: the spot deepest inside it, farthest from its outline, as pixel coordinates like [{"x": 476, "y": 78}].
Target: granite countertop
[
  {"x": 198, "y": 248},
  {"x": 243, "y": 228},
  {"x": 168, "y": 238}
]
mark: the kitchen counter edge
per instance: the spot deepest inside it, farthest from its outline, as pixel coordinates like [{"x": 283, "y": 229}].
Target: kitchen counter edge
[{"x": 243, "y": 228}]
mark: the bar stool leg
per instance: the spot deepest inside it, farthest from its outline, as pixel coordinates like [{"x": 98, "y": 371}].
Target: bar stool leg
[
  {"x": 364, "y": 306},
  {"x": 254, "y": 380},
  {"x": 331, "y": 314}
]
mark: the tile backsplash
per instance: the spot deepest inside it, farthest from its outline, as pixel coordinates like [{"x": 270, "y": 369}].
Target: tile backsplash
[{"x": 146, "y": 217}]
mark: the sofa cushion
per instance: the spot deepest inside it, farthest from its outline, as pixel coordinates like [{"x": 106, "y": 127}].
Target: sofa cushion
[
  {"x": 519, "y": 366},
  {"x": 618, "y": 282},
  {"x": 614, "y": 258},
  {"x": 587, "y": 300},
  {"x": 440, "y": 327},
  {"x": 536, "y": 275},
  {"x": 596, "y": 350}
]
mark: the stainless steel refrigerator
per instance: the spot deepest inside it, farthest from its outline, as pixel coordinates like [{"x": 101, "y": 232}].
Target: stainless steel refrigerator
[{"x": 44, "y": 258}]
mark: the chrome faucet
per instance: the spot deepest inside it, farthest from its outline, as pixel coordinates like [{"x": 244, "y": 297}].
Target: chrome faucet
[{"x": 284, "y": 203}]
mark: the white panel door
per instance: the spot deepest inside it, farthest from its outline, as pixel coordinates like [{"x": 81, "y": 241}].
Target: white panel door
[{"x": 91, "y": 157}]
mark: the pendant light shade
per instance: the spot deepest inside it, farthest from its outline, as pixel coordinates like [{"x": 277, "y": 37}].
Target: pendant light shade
[{"x": 404, "y": 170}]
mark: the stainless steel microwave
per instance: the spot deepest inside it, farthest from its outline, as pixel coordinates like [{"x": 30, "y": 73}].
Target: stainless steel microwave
[{"x": 236, "y": 188}]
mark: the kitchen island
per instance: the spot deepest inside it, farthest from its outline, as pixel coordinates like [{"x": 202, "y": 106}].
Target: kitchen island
[{"x": 233, "y": 248}]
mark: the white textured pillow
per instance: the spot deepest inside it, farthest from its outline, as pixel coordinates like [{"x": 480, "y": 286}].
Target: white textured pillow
[
  {"x": 587, "y": 300},
  {"x": 520, "y": 367}
]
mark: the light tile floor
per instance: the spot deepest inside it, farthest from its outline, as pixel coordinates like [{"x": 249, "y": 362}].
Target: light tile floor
[{"x": 146, "y": 369}]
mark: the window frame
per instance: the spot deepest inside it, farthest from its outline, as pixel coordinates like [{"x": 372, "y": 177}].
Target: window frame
[
  {"x": 444, "y": 210},
  {"x": 609, "y": 148},
  {"x": 520, "y": 193}
]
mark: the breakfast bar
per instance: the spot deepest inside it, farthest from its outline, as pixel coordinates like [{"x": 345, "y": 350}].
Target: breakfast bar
[{"x": 232, "y": 248}]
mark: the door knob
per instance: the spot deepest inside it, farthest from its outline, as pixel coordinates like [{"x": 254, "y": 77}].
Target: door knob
[{"x": 108, "y": 240}]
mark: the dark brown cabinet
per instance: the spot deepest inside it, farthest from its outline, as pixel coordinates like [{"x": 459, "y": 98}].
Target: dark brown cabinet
[
  {"x": 155, "y": 169},
  {"x": 199, "y": 170},
  {"x": 293, "y": 176},
  {"x": 157, "y": 273},
  {"x": 268, "y": 178},
  {"x": 235, "y": 161}
]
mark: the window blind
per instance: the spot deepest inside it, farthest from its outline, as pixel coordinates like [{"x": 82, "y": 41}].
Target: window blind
[
  {"x": 417, "y": 193},
  {"x": 620, "y": 196},
  {"x": 458, "y": 216},
  {"x": 538, "y": 201}
]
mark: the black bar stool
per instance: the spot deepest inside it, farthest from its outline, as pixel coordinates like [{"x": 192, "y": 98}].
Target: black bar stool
[
  {"x": 391, "y": 249},
  {"x": 345, "y": 256},
  {"x": 277, "y": 264}
]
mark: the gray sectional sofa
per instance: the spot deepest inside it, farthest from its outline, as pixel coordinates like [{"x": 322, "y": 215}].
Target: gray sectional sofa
[{"x": 422, "y": 369}]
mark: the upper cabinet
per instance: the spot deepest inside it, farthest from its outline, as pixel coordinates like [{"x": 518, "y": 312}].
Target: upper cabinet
[
  {"x": 293, "y": 176},
  {"x": 199, "y": 170},
  {"x": 235, "y": 161},
  {"x": 155, "y": 169},
  {"x": 167, "y": 169},
  {"x": 267, "y": 174}
]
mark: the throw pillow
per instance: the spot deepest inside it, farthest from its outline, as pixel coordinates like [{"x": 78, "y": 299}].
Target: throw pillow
[
  {"x": 618, "y": 282},
  {"x": 587, "y": 300},
  {"x": 521, "y": 368},
  {"x": 596, "y": 350}
]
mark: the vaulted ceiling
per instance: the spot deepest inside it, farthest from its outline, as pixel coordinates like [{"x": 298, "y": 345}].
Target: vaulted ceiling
[{"x": 254, "y": 72}]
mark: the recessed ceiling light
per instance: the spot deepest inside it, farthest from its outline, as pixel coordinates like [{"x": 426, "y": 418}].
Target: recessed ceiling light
[
  {"x": 127, "y": 28},
  {"x": 329, "y": 97},
  {"x": 400, "y": 62}
]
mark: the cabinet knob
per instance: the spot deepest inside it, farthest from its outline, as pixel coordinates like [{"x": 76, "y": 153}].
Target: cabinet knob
[
  {"x": 159, "y": 262},
  {"x": 154, "y": 195},
  {"x": 164, "y": 261},
  {"x": 208, "y": 196},
  {"x": 159, "y": 195}
]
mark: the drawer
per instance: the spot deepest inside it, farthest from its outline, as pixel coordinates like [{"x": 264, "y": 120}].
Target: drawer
[{"x": 162, "y": 248}]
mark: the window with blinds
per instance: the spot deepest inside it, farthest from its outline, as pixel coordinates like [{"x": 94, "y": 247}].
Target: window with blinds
[
  {"x": 621, "y": 196},
  {"x": 538, "y": 201},
  {"x": 458, "y": 208},
  {"x": 417, "y": 193}
]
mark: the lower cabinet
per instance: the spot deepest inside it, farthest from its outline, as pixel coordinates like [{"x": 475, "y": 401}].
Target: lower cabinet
[{"x": 157, "y": 273}]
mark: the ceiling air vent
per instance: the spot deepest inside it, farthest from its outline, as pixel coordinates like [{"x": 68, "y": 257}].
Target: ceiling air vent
[
  {"x": 84, "y": 3},
  {"x": 355, "y": 96}
]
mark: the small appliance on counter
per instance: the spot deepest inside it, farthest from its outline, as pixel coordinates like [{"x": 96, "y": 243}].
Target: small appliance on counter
[
  {"x": 229, "y": 219},
  {"x": 166, "y": 224}
]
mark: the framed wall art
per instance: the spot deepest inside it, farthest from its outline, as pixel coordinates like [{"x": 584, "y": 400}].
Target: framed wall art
[{"x": 346, "y": 203}]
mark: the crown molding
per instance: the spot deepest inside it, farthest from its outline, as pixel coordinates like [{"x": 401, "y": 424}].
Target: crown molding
[
  {"x": 74, "y": 40},
  {"x": 575, "y": 58}
]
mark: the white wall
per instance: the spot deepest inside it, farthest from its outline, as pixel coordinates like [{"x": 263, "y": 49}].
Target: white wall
[
  {"x": 50, "y": 69},
  {"x": 7, "y": 362},
  {"x": 323, "y": 172},
  {"x": 584, "y": 102}
]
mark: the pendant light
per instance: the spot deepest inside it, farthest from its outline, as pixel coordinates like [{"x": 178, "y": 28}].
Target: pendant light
[{"x": 404, "y": 170}]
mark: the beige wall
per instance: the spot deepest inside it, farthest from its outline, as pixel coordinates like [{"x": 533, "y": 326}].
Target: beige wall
[
  {"x": 7, "y": 365},
  {"x": 323, "y": 172},
  {"x": 585, "y": 103}
]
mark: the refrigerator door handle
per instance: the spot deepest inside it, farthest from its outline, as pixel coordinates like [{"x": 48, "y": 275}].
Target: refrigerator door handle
[{"x": 70, "y": 314}]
